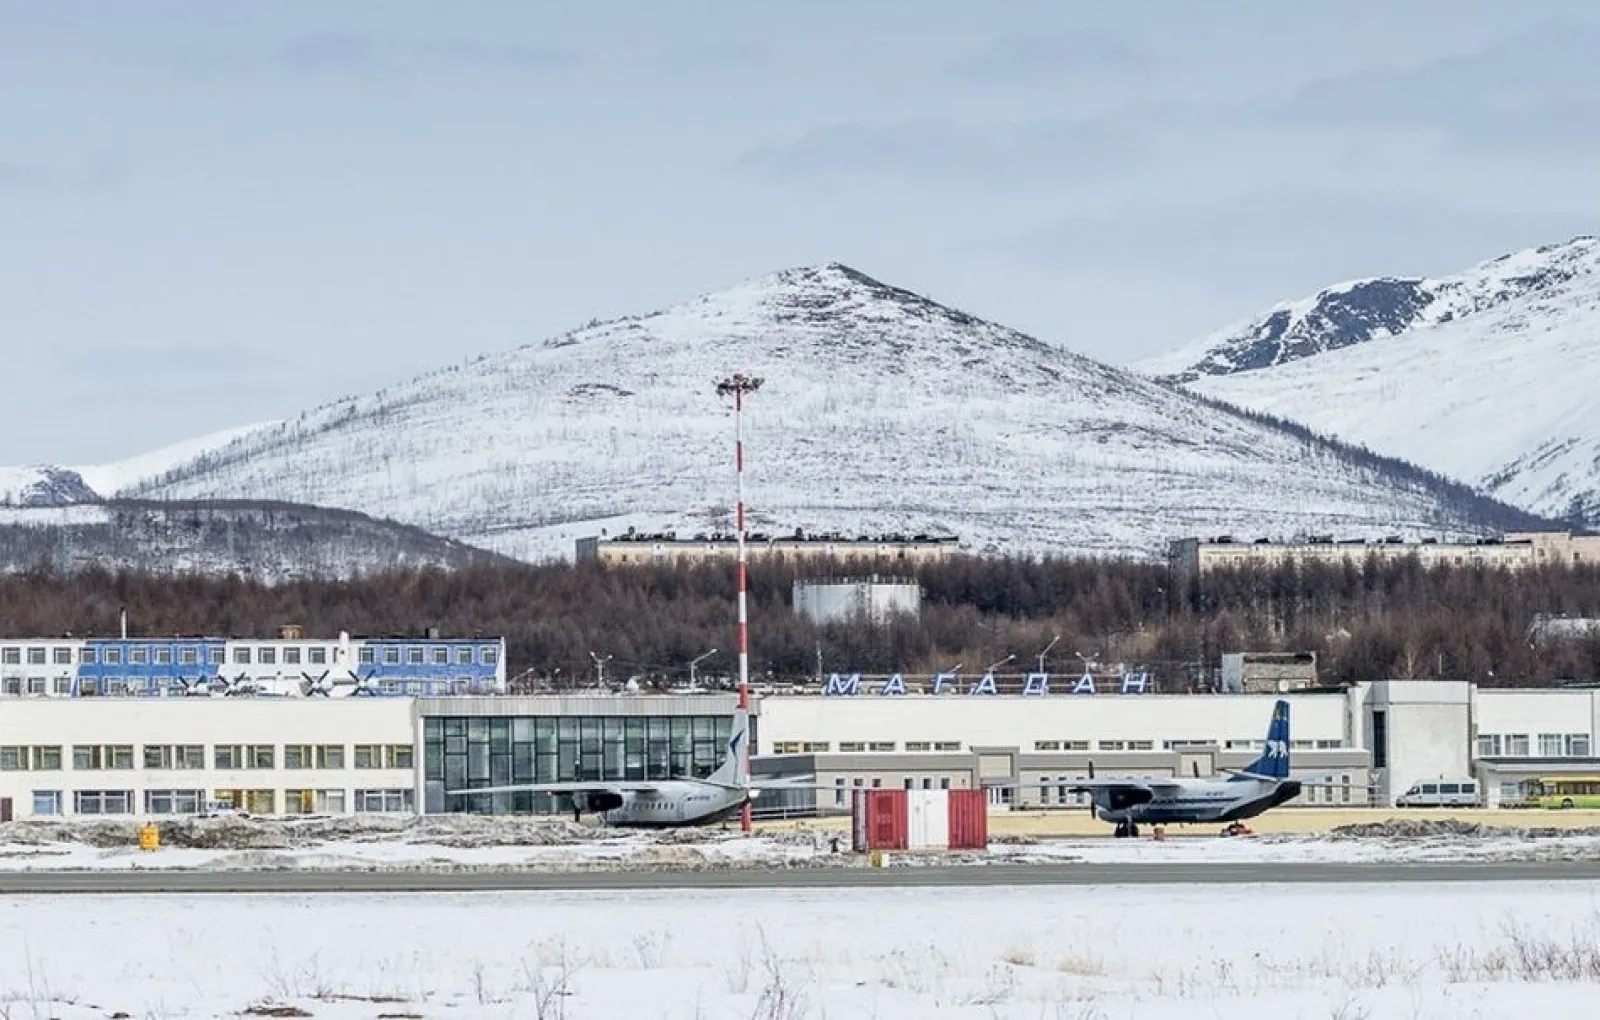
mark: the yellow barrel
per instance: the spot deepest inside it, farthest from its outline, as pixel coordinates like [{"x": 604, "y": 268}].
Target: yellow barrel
[
  {"x": 149, "y": 837},
  {"x": 875, "y": 858}
]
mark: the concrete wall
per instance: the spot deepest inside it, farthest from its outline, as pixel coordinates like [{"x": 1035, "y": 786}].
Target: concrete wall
[{"x": 1429, "y": 733}]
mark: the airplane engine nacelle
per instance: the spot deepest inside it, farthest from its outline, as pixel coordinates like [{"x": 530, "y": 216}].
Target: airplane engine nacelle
[
  {"x": 1122, "y": 799},
  {"x": 602, "y": 800}
]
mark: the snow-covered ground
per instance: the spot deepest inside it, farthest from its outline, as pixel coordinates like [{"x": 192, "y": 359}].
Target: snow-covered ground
[
  {"x": 549, "y": 844},
  {"x": 1408, "y": 952}
]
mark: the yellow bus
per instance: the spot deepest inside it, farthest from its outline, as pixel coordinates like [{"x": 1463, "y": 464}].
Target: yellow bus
[{"x": 1564, "y": 792}]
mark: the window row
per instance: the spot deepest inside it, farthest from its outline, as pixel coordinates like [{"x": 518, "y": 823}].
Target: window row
[
  {"x": 196, "y": 801},
  {"x": 96, "y": 757},
  {"x": 1521, "y": 745},
  {"x": 1180, "y": 744},
  {"x": 435, "y": 655},
  {"x": 862, "y": 746},
  {"x": 244, "y": 655}
]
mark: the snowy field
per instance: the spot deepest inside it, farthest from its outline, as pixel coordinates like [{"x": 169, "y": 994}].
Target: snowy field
[
  {"x": 463, "y": 842},
  {"x": 1408, "y": 952}
]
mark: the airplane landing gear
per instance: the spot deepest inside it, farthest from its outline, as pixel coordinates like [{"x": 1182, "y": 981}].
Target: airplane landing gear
[{"x": 1126, "y": 830}]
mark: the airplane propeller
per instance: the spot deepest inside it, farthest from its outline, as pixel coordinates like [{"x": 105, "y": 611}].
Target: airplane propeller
[{"x": 319, "y": 686}]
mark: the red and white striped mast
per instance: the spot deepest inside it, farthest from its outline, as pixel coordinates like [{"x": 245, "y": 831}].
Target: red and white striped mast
[{"x": 738, "y": 385}]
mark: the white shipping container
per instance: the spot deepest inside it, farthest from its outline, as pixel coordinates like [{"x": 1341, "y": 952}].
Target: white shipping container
[{"x": 927, "y": 820}]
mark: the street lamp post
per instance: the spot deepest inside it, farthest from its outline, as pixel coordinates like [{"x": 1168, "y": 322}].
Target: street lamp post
[
  {"x": 695, "y": 662},
  {"x": 1046, "y": 651},
  {"x": 995, "y": 665},
  {"x": 736, "y": 386},
  {"x": 600, "y": 669}
]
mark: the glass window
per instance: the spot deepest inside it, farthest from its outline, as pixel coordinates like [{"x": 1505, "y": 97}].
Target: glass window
[
  {"x": 138, "y": 656},
  {"x": 219, "y": 656},
  {"x": 36, "y": 656},
  {"x": 47, "y": 802},
  {"x": 241, "y": 656},
  {"x": 413, "y": 656},
  {"x": 121, "y": 756},
  {"x": 261, "y": 756},
  {"x": 102, "y": 802},
  {"x": 368, "y": 756},
  {"x": 47, "y": 758},
  {"x": 297, "y": 756},
  {"x": 490, "y": 655},
  {"x": 267, "y": 657},
  {"x": 63, "y": 656},
  {"x": 188, "y": 656},
  {"x": 163, "y": 656},
  {"x": 11, "y": 657},
  {"x": 157, "y": 756},
  {"x": 260, "y": 802},
  {"x": 1550, "y": 745},
  {"x": 113, "y": 656},
  {"x": 228, "y": 756},
  {"x": 189, "y": 756},
  {"x": 330, "y": 756},
  {"x": 317, "y": 656},
  {"x": 1577, "y": 745},
  {"x": 441, "y": 656},
  {"x": 463, "y": 656},
  {"x": 291, "y": 656},
  {"x": 398, "y": 756},
  {"x": 89, "y": 656}
]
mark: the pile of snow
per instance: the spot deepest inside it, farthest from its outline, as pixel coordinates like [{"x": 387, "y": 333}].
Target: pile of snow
[
  {"x": 1435, "y": 828},
  {"x": 468, "y": 842}
]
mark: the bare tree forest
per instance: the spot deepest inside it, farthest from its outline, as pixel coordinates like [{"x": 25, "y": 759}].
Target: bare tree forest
[{"x": 1368, "y": 621}]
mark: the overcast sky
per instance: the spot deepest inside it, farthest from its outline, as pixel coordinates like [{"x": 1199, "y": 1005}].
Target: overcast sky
[{"x": 216, "y": 213}]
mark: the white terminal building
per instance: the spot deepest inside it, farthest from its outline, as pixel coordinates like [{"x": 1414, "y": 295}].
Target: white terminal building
[{"x": 420, "y": 720}]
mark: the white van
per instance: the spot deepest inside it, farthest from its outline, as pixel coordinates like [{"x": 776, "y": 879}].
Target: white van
[{"x": 1440, "y": 793}]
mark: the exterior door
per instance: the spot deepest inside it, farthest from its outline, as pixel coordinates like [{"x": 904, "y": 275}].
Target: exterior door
[{"x": 5, "y": 809}]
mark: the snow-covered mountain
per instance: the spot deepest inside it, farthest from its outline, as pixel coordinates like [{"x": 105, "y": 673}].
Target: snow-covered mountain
[
  {"x": 43, "y": 485},
  {"x": 881, "y": 411},
  {"x": 1488, "y": 376},
  {"x": 268, "y": 542}
]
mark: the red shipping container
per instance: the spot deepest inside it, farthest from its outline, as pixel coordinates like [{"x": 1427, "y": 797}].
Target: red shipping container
[
  {"x": 878, "y": 820},
  {"x": 969, "y": 820}
]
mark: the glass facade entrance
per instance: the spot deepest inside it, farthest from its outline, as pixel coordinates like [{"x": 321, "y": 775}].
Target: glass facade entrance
[{"x": 461, "y": 752}]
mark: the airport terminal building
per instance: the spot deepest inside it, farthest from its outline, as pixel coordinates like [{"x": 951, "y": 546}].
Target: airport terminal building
[{"x": 169, "y": 745}]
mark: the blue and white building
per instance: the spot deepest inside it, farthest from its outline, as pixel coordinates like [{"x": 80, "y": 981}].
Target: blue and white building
[{"x": 289, "y": 665}]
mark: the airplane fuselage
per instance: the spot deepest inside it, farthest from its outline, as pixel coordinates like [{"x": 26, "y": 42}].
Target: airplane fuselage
[
  {"x": 674, "y": 804},
  {"x": 1202, "y": 801}
]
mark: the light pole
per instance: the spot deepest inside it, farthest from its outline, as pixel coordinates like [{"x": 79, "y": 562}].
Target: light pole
[
  {"x": 695, "y": 662},
  {"x": 599, "y": 669},
  {"x": 995, "y": 665},
  {"x": 1046, "y": 651},
  {"x": 736, "y": 386}
]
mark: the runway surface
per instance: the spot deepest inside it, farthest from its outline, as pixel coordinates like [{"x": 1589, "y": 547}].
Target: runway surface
[{"x": 58, "y": 882}]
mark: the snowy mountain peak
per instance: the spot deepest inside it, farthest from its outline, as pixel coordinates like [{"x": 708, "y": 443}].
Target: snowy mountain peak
[
  {"x": 44, "y": 485},
  {"x": 1358, "y": 311},
  {"x": 1487, "y": 375}
]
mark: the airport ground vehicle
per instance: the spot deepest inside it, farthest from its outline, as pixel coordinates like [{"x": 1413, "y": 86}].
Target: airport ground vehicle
[
  {"x": 1440, "y": 793},
  {"x": 1564, "y": 792}
]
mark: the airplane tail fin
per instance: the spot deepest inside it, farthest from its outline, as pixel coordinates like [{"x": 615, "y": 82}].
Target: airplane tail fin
[
  {"x": 735, "y": 767},
  {"x": 1274, "y": 760}
]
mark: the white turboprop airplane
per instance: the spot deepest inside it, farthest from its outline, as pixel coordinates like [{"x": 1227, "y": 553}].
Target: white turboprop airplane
[
  {"x": 1246, "y": 793},
  {"x": 652, "y": 803}
]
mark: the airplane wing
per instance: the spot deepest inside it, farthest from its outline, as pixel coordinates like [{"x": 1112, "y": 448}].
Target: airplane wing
[
  {"x": 584, "y": 786},
  {"x": 1090, "y": 785}
]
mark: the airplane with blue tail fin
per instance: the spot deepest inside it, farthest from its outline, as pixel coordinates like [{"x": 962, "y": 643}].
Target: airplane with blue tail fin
[{"x": 1245, "y": 793}]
